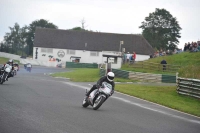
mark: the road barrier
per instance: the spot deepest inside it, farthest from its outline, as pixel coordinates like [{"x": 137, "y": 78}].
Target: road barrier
[
  {"x": 190, "y": 87},
  {"x": 81, "y": 65},
  {"x": 150, "y": 77},
  {"x": 144, "y": 77}
]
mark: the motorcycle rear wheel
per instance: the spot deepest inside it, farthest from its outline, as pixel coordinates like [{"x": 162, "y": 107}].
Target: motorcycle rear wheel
[{"x": 3, "y": 79}]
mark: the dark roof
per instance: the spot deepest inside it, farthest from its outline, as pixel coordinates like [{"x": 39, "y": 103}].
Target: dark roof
[{"x": 96, "y": 41}]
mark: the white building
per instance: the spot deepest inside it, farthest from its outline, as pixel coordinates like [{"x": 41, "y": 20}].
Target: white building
[{"x": 87, "y": 47}]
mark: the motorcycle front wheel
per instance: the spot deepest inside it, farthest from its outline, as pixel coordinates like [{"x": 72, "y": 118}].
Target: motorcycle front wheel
[
  {"x": 85, "y": 103},
  {"x": 98, "y": 102}
]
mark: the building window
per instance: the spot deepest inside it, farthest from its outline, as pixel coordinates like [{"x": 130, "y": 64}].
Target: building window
[
  {"x": 72, "y": 52},
  {"x": 94, "y": 53},
  {"x": 43, "y": 50},
  {"x": 49, "y": 50},
  {"x": 46, "y": 50},
  {"x": 112, "y": 60}
]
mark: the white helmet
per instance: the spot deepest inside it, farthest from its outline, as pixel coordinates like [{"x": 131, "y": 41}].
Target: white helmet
[{"x": 110, "y": 76}]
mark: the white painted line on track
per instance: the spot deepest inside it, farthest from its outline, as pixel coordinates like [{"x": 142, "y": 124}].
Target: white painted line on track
[
  {"x": 140, "y": 105},
  {"x": 61, "y": 78},
  {"x": 162, "y": 112}
]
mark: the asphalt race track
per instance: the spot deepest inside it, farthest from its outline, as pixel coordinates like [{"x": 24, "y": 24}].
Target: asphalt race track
[{"x": 37, "y": 103}]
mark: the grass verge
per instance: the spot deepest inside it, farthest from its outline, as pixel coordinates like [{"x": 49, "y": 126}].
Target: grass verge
[
  {"x": 4, "y": 60},
  {"x": 163, "y": 95},
  {"x": 189, "y": 62},
  {"x": 85, "y": 75}
]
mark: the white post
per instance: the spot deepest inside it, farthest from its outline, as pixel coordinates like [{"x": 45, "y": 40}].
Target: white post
[{"x": 177, "y": 78}]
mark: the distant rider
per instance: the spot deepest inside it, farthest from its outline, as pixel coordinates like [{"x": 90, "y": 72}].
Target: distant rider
[
  {"x": 108, "y": 78},
  {"x": 28, "y": 67},
  {"x": 9, "y": 63}
]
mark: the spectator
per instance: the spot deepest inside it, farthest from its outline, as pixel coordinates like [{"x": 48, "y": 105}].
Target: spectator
[
  {"x": 198, "y": 47},
  {"x": 163, "y": 53},
  {"x": 160, "y": 52},
  {"x": 127, "y": 57},
  {"x": 195, "y": 47},
  {"x": 163, "y": 62},
  {"x": 124, "y": 58},
  {"x": 168, "y": 52},
  {"x": 175, "y": 51},
  {"x": 134, "y": 56},
  {"x": 185, "y": 47}
]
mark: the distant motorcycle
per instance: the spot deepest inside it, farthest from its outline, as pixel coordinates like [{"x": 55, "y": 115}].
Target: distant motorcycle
[
  {"x": 28, "y": 69},
  {"x": 15, "y": 70},
  {"x": 4, "y": 73},
  {"x": 98, "y": 96},
  {"x": 12, "y": 73}
]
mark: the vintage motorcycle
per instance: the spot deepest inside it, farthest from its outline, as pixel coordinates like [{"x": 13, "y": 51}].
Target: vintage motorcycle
[
  {"x": 98, "y": 96},
  {"x": 4, "y": 73}
]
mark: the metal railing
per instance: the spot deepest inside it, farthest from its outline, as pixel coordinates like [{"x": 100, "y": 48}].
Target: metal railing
[
  {"x": 155, "y": 66},
  {"x": 190, "y": 87}
]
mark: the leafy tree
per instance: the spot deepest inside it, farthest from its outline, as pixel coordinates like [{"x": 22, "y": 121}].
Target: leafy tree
[
  {"x": 14, "y": 40},
  {"x": 161, "y": 30},
  {"x": 77, "y": 28},
  {"x": 31, "y": 32},
  {"x": 80, "y": 29}
]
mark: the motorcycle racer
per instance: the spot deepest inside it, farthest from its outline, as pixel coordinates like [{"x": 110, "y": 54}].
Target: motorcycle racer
[{"x": 108, "y": 78}]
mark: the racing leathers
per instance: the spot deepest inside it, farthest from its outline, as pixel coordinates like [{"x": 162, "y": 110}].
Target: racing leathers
[{"x": 99, "y": 84}]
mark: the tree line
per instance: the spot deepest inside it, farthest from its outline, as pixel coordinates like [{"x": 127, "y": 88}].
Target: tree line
[
  {"x": 20, "y": 39},
  {"x": 160, "y": 29}
]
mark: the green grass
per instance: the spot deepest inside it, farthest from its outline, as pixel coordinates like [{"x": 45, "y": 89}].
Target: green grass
[
  {"x": 129, "y": 68},
  {"x": 189, "y": 62},
  {"x": 85, "y": 75},
  {"x": 183, "y": 59},
  {"x": 3, "y": 60},
  {"x": 163, "y": 95}
]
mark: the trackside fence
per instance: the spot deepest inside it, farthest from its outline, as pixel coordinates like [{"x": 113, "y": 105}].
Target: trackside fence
[
  {"x": 155, "y": 66},
  {"x": 144, "y": 77},
  {"x": 190, "y": 87},
  {"x": 80, "y": 65}
]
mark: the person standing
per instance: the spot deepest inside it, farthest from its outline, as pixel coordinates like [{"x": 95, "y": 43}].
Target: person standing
[
  {"x": 164, "y": 63},
  {"x": 124, "y": 58},
  {"x": 127, "y": 57},
  {"x": 134, "y": 56}
]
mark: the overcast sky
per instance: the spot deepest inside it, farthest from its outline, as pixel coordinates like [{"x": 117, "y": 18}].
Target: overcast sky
[{"x": 113, "y": 16}]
